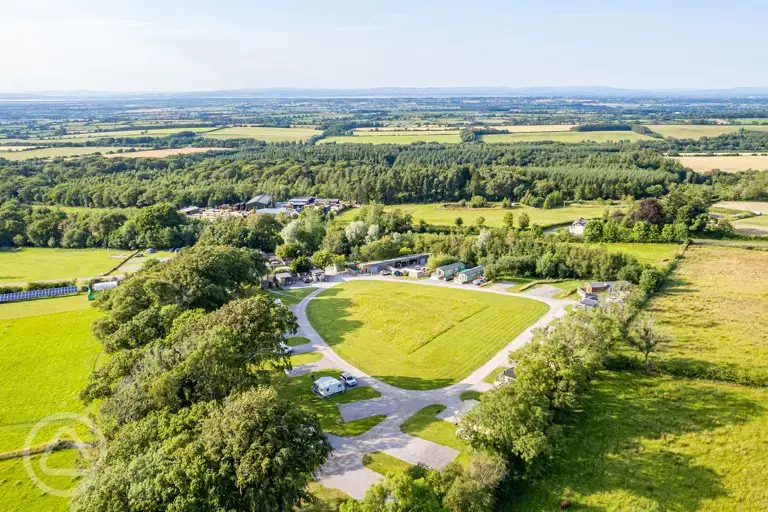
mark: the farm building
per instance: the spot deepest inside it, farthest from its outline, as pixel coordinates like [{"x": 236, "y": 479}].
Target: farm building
[
  {"x": 577, "y": 228},
  {"x": 327, "y": 386},
  {"x": 259, "y": 202},
  {"x": 469, "y": 275},
  {"x": 284, "y": 278},
  {"x": 587, "y": 303},
  {"x": 584, "y": 294},
  {"x": 596, "y": 287},
  {"x": 417, "y": 273},
  {"x": 300, "y": 202},
  {"x": 449, "y": 270},
  {"x": 374, "y": 267}
]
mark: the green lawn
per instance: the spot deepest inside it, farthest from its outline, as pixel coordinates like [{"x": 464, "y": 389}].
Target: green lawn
[
  {"x": 404, "y": 138},
  {"x": 640, "y": 443},
  {"x": 491, "y": 377},
  {"x": 715, "y": 311},
  {"x": 291, "y": 297},
  {"x": 39, "y": 264},
  {"x": 44, "y": 306},
  {"x": 607, "y": 136},
  {"x": 426, "y": 425},
  {"x": 18, "y": 493},
  {"x": 437, "y": 214},
  {"x": 418, "y": 337},
  {"x": 297, "y": 390},
  {"x": 384, "y": 464},
  {"x": 471, "y": 395},
  {"x": 296, "y": 341},
  {"x": 45, "y": 361},
  {"x": 266, "y": 133},
  {"x": 658, "y": 255},
  {"x": 327, "y": 499},
  {"x": 306, "y": 358}
]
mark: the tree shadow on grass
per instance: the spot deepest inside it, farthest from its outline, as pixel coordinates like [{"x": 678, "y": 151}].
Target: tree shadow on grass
[
  {"x": 329, "y": 315},
  {"x": 625, "y": 438}
]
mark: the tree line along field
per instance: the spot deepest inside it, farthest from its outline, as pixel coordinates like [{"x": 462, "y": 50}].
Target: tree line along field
[
  {"x": 695, "y": 131},
  {"x": 438, "y": 214},
  {"x": 408, "y": 137},
  {"x": 414, "y": 336}
]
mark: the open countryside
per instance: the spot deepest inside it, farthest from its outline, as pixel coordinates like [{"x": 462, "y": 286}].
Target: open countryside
[
  {"x": 725, "y": 163},
  {"x": 266, "y": 133}
]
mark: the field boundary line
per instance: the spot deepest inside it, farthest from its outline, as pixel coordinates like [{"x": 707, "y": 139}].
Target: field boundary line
[{"x": 134, "y": 253}]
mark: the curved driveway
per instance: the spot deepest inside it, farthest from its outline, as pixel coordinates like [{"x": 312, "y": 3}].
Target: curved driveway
[{"x": 344, "y": 469}]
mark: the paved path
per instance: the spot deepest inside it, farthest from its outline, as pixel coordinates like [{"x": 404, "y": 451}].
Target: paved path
[{"x": 344, "y": 469}]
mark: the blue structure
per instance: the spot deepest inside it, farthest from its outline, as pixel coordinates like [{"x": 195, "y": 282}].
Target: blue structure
[{"x": 37, "y": 294}]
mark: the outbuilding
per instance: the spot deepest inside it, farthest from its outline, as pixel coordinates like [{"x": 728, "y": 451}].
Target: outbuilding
[
  {"x": 577, "y": 228},
  {"x": 597, "y": 287},
  {"x": 587, "y": 303},
  {"x": 449, "y": 270},
  {"x": 506, "y": 376},
  {"x": 469, "y": 275},
  {"x": 190, "y": 210},
  {"x": 284, "y": 278},
  {"x": 411, "y": 260},
  {"x": 259, "y": 202},
  {"x": 318, "y": 275},
  {"x": 327, "y": 386}
]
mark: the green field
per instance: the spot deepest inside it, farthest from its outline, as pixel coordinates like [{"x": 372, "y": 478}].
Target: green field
[
  {"x": 426, "y": 425},
  {"x": 55, "y": 152},
  {"x": 715, "y": 311},
  {"x": 266, "y": 133},
  {"x": 40, "y": 264},
  {"x": 396, "y": 138},
  {"x": 45, "y": 361},
  {"x": 437, "y": 214},
  {"x": 657, "y": 255},
  {"x": 415, "y": 336},
  {"x": 291, "y": 296},
  {"x": 18, "y": 493},
  {"x": 298, "y": 391},
  {"x": 753, "y": 225},
  {"x": 640, "y": 443},
  {"x": 693, "y": 131},
  {"x": 607, "y": 136},
  {"x": 152, "y": 132},
  {"x": 306, "y": 358}
]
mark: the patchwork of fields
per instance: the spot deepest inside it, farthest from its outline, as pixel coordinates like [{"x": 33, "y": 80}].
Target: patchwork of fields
[
  {"x": 415, "y": 337},
  {"x": 265, "y": 133},
  {"x": 725, "y": 163},
  {"x": 519, "y": 135},
  {"x": 695, "y": 131},
  {"x": 56, "y": 152}
]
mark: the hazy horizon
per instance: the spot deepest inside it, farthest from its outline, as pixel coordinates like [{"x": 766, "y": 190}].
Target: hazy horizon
[{"x": 168, "y": 46}]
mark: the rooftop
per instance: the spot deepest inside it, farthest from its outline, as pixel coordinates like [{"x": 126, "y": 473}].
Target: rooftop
[{"x": 395, "y": 260}]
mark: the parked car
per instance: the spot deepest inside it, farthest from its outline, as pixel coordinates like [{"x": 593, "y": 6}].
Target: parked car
[
  {"x": 385, "y": 273},
  {"x": 307, "y": 279},
  {"x": 479, "y": 282},
  {"x": 348, "y": 380},
  {"x": 151, "y": 251},
  {"x": 285, "y": 348}
]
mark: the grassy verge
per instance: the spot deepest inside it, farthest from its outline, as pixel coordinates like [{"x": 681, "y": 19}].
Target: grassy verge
[
  {"x": 305, "y": 358},
  {"x": 426, "y": 425},
  {"x": 384, "y": 464},
  {"x": 491, "y": 377},
  {"x": 296, "y": 341},
  {"x": 471, "y": 395}
]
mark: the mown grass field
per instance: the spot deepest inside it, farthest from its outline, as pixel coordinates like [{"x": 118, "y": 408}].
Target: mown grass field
[
  {"x": 715, "y": 311},
  {"x": 395, "y": 138},
  {"x": 19, "y": 494},
  {"x": 565, "y": 136},
  {"x": 414, "y": 336},
  {"x": 55, "y": 152},
  {"x": 265, "y": 133},
  {"x": 27, "y": 264},
  {"x": 45, "y": 360},
  {"x": 657, "y": 255},
  {"x": 692, "y": 131},
  {"x": 725, "y": 163},
  {"x": 298, "y": 390},
  {"x": 162, "y": 153},
  {"x": 437, "y": 214},
  {"x": 756, "y": 226},
  {"x": 650, "y": 443}
]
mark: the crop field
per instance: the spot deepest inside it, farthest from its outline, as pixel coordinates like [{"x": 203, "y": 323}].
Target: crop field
[
  {"x": 725, "y": 163},
  {"x": 418, "y": 337},
  {"x": 56, "y": 152},
  {"x": 565, "y": 136},
  {"x": 266, "y": 133},
  {"x": 747, "y": 206},
  {"x": 152, "y": 132},
  {"x": 526, "y": 128},
  {"x": 694, "y": 131},
  {"x": 162, "y": 153},
  {"x": 754, "y": 226},
  {"x": 25, "y": 264},
  {"x": 639, "y": 443},
  {"x": 396, "y": 138},
  {"x": 715, "y": 311},
  {"x": 437, "y": 214},
  {"x": 657, "y": 255}
]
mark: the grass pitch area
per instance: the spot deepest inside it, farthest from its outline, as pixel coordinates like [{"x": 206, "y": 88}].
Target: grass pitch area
[
  {"x": 657, "y": 255},
  {"x": 715, "y": 311},
  {"x": 27, "y": 264},
  {"x": 416, "y": 336},
  {"x": 437, "y": 214},
  {"x": 426, "y": 425},
  {"x": 640, "y": 443}
]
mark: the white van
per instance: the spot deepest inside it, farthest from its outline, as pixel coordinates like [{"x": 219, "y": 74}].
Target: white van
[{"x": 327, "y": 386}]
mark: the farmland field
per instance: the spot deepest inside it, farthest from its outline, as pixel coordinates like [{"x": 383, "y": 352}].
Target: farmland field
[
  {"x": 437, "y": 214},
  {"x": 639, "y": 443},
  {"x": 396, "y": 138},
  {"x": 55, "y": 152},
  {"x": 19, "y": 494},
  {"x": 694, "y": 131},
  {"x": 40, "y": 263},
  {"x": 526, "y": 128},
  {"x": 565, "y": 136},
  {"x": 725, "y": 163},
  {"x": 657, "y": 255},
  {"x": 747, "y": 206},
  {"x": 714, "y": 309},
  {"x": 161, "y": 153},
  {"x": 418, "y": 337},
  {"x": 266, "y": 133},
  {"x": 756, "y": 226}
]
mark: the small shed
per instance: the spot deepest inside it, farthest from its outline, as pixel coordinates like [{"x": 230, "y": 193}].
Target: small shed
[
  {"x": 190, "y": 210},
  {"x": 469, "y": 275},
  {"x": 596, "y": 287},
  {"x": 318, "y": 275},
  {"x": 327, "y": 386},
  {"x": 577, "y": 228},
  {"x": 584, "y": 294},
  {"x": 506, "y": 376},
  {"x": 284, "y": 278},
  {"x": 449, "y": 270},
  {"x": 587, "y": 303}
]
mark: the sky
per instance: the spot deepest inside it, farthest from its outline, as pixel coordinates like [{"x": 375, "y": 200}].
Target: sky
[{"x": 193, "y": 45}]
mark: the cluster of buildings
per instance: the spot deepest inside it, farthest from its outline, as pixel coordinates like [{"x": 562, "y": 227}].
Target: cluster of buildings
[
  {"x": 615, "y": 291},
  {"x": 263, "y": 203}
]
